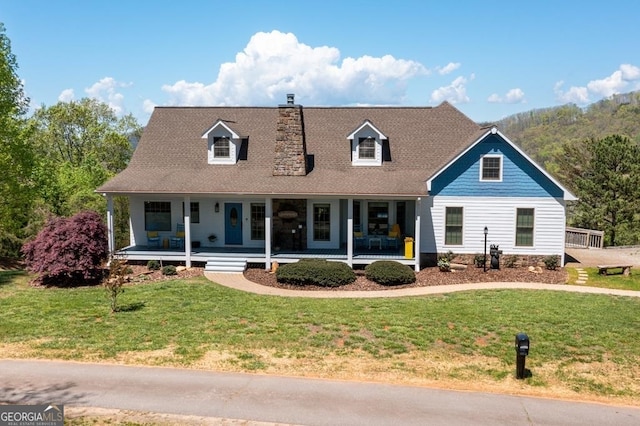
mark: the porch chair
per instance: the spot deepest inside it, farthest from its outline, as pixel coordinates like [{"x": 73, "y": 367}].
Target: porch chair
[
  {"x": 153, "y": 239},
  {"x": 359, "y": 237},
  {"x": 177, "y": 241},
  {"x": 393, "y": 236}
]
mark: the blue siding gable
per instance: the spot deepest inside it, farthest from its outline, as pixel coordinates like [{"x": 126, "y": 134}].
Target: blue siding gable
[{"x": 520, "y": 178}]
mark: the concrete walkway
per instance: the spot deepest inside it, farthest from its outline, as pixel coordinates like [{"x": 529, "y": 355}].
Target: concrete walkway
[{"x": 239, "y": 282}]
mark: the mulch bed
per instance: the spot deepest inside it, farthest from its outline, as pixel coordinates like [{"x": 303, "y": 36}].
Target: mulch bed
[{"x": 426, "y": 277}]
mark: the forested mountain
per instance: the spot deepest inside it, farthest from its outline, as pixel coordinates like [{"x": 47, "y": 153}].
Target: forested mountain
[{"x": 543, "y": 132}]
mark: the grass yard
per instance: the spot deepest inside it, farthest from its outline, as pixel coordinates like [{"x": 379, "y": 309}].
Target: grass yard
[
  {"x": 618, "y": 281},
  {"x": 582, "y": 346}
]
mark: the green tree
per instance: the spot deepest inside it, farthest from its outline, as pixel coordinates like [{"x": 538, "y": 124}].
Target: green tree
[
  {"x": 77, "y": 131},
  {"x": 16, "y": 155},
  {"x": 605, "y": 176},
  {"x": 81, "y": 144}
]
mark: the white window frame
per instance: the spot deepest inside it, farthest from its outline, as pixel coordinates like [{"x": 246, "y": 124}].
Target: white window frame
[
  {"x": 372, "y": 149},
  {"x": 488, "y": 156},
  {"x": 222, "y": 139}
]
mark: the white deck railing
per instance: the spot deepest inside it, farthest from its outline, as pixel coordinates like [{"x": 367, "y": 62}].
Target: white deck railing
[{"x": 583, "y": 238}]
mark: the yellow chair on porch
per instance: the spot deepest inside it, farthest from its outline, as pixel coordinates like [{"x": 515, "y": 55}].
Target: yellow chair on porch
[
  {"x": 153, "y": 239},
  {"x": 358, "y": 237},
  {"x": 177, "y": 241},
  {"x": 393, "y": 236}
]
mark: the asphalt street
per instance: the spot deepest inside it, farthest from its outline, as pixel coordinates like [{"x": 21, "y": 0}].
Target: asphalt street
[{"x": 284, "y": 400}]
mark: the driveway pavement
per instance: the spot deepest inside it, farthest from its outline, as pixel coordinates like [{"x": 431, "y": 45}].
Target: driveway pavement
[
  {"x": 607, "y": 256},
  {"x": 219, "y": 398}
]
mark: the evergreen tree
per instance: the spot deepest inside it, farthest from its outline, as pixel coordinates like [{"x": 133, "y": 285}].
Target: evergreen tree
[{"x": 605, "y": 176}]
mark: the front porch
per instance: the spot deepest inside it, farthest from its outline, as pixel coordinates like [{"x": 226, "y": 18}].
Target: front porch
[
  {"x": 361, "y": 256},
  {"x": 267, "y": 230}
]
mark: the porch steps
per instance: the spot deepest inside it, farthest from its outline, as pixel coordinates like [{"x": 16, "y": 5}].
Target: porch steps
[{"x": 225, "y": 264}]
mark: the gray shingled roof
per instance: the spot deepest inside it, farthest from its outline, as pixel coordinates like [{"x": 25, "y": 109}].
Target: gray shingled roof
[{"x": 171, "y": 157}]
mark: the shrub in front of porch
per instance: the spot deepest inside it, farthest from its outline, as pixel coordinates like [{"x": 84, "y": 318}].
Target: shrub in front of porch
[
  {"x": 387, "y": 272},
  {"x": 316, "y": 272},
  {"x": 69, "y": 251}
]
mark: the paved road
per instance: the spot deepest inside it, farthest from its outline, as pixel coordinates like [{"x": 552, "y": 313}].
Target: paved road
[{"x": 282, "y": 400}]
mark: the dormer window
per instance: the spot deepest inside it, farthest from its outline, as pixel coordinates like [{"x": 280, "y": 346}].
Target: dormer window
[
  {"x": 223, "y": 144},
  {"x": 221, "y": 147},
  {"x": 366, "y": 145},
  {"x": 367, "y": 148}
]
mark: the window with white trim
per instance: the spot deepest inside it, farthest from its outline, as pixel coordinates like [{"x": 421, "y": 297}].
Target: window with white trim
[
  {"x": 453, "y": 226},
  {"x": 367, "y": 148},
  {"x": 221, "y": 147},
  {"x": 257, "y": 221},
  {"x": 322, "y": 222},
  {"x": 491, "y": 168},
  {"x": 524, "y": 227}
]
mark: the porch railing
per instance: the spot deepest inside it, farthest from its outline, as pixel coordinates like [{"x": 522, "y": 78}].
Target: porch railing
[{"x": 583, "y": 238}]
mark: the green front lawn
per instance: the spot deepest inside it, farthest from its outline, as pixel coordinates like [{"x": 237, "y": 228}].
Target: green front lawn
[
  {"x": 617, "y": 281},
  {"x": 583, "y": 346}
]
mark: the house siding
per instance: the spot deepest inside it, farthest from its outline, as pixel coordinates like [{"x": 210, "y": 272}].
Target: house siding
[
  {"x": 498, "y": 214},
  {"x": 520, "y": 178}
]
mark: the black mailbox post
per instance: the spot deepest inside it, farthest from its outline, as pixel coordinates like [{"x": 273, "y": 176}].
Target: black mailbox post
[{"x": 522, "y": 350}]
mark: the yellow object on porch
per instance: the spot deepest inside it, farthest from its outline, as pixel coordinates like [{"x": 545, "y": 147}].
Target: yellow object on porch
[{"x": 408, "y": 248}]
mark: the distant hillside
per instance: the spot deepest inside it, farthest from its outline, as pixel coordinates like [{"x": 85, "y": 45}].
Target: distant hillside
[{"x": 542, "y": 132}]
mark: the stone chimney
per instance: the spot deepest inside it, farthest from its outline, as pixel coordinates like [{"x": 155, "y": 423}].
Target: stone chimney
[{"x": 290, "y": 149}]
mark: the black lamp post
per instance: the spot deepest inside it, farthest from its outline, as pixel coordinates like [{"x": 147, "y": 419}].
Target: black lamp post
[{"x": 484, "y": 263}]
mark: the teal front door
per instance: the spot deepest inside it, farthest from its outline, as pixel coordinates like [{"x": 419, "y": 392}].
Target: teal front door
[{"x": 233, "y": 223}]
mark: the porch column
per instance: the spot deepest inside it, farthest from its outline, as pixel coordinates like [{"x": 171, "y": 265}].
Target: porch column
[
  {"x": 350, "y": 232},
  {"x": 110, "y": 229},
  {"x": 416, "y": 240},
  {"x": 187, "y": 231},
  {"x": 268, "y": 213}
]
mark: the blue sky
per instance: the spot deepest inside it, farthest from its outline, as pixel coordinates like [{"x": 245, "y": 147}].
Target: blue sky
[{"x": 489, "y": 58}]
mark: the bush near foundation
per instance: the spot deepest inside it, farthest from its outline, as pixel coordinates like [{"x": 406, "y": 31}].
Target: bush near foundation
[
  {"x": 169, "y": 270},
  {"x": 69, "y": 251},
  {"x": 387, "y": 272},
  {"x": 316, "y": 272}
]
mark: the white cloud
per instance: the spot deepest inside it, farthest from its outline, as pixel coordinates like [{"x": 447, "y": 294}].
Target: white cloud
[
  {"x": 625, "y": 78},
  {"x": 513, "y": 96},
  {"x": 273, "y": 64},
  {"x": 494, "y": 98},
  {"x": 577, "y": 95},
  {"x": 449, "y": 68},
  {"x": 105, "y": 91},
  {"x": 456, "y": 92},
  {"x": 148, "y": 106},
  {"x": 67, "y": 95}
]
